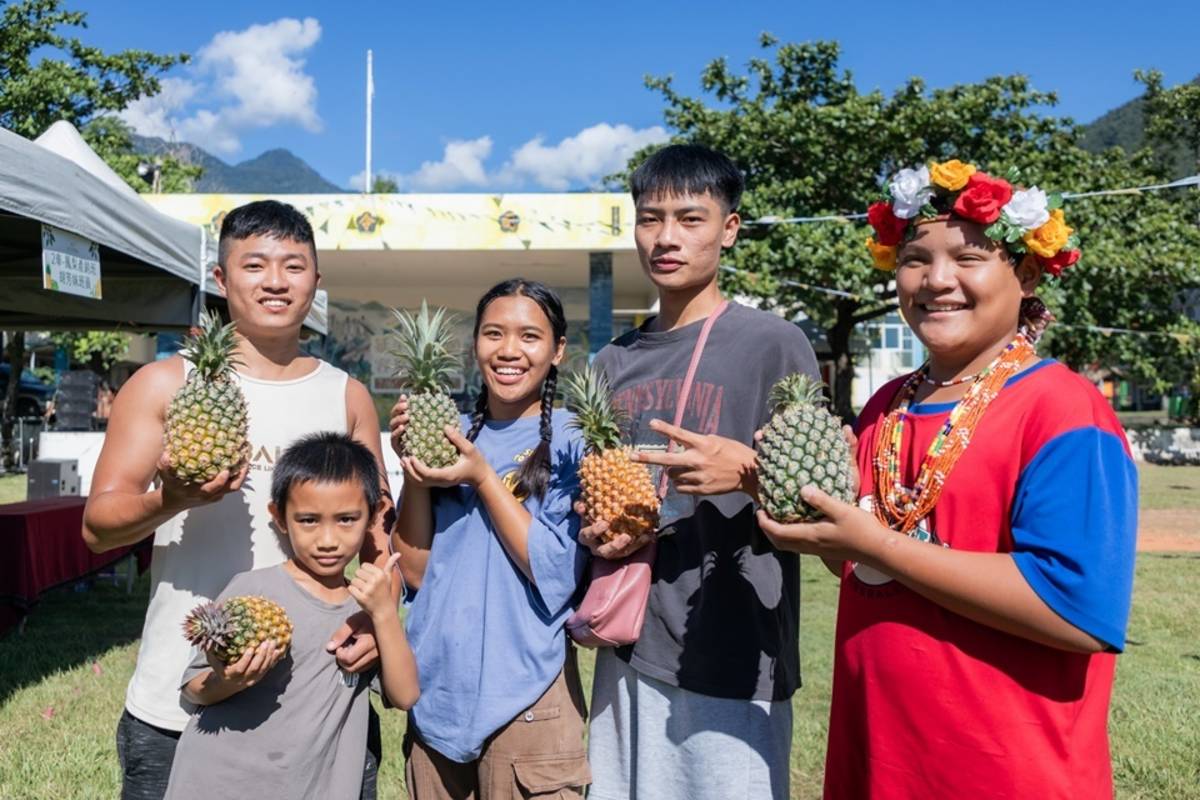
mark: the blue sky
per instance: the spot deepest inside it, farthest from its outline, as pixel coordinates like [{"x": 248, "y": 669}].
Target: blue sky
[{"x": 537, "y": 95}]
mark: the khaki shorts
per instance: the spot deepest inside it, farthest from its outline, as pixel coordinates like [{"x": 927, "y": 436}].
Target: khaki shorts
[{"x": 539, "y": 754}]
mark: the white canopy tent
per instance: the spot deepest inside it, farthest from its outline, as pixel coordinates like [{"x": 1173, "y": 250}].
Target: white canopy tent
[{"x": 154, "y": 268}]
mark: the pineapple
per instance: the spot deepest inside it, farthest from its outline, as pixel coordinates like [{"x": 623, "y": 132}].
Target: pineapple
[
  {"x": 427, "y": 355},
  {"x": 229, "y": 629},
  {"x": 614, "y": 488},
  {"x": 206, "y": 419},
  {"x": 801, "y": 445}
]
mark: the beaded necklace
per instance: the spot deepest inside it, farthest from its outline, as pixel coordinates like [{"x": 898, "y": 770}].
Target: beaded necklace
[{"x": 901, "y": 508}]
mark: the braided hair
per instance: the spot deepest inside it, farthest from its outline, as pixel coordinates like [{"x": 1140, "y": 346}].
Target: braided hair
[{"x": 533, "y": 477}]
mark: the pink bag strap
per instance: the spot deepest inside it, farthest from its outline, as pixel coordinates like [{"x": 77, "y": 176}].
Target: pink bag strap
[{"x": 686, "y": 388}]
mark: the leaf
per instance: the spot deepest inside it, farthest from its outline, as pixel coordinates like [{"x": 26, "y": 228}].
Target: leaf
[
  {"x": 1054, "y": 201},
  {"x": 928, "y": 212}
]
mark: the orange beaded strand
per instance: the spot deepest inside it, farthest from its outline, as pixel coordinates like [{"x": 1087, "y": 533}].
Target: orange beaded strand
[{"x": 901, "y": 508}]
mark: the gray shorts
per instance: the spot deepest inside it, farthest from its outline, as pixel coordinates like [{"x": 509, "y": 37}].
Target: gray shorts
[{"x": 652, "y": 741}]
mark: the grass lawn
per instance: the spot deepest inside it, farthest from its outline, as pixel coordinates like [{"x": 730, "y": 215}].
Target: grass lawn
[
  {"x": 62, "y": 682},
  {"x": 12, "y": 489}
]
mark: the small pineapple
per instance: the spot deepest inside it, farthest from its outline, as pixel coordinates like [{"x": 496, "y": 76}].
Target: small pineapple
[
  {"x": 801, "y": 445},
  {"x": 614, "y": 488},
  {"x": 229, "y": 629},
  {"x": 428, "y": 357},
  {"x": 206, "y": 419}
]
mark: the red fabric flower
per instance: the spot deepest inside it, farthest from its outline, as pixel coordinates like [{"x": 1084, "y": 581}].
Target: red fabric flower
[
  {"x": 889, "y": 229},
  {"x": 982, "y": 198},
  {"x": 1060, "y": 261}
]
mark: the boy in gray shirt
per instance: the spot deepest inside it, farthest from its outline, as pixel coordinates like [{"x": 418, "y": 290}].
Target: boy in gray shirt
[{"x": 290, "y": 723}]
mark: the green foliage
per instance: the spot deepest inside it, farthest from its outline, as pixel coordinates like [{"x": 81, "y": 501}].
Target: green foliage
[
  {"x": 810, "y": 143},
  {"x": 1172, "y": 115},
  {"x": 384, "y": 185},
  {"x": 112, "y": 140},
  {"x": 96, "y": 350},
  {"x": 47, "y": 75}
]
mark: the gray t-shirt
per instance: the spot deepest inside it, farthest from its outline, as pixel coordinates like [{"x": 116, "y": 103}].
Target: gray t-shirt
[
  {"x": 301, "y": 732},
  {"x": 724, "y": 610}
]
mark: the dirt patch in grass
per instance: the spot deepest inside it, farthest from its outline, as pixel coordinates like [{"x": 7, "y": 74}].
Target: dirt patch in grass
[{"x": 1168, "y": 529}]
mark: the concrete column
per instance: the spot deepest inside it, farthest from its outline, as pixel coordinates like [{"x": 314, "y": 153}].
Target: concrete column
[{"x": 600, "y": 301}]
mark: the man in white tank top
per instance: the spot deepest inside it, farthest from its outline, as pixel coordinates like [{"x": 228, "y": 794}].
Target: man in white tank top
[{"x": 204, "y": 535}]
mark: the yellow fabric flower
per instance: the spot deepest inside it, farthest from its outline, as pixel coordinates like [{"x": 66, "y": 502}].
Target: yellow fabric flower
[
  {"x": 1051, "y": 237},
  {"x": 951, "y": 175},
  {"x": 883, "y": 255}
]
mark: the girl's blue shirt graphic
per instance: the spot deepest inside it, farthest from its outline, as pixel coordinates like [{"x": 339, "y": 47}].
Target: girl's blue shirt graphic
[{"x": 488, "y": 642}]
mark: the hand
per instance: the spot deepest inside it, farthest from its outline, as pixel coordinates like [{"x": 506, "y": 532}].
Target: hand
[
  {"x": 471, "y": 467},
  {"x": 251, "y": 667},
  {"x": 591, "y": 536},
  {"x": 371, "y": 588},
  {"x": 707, "y": 465},
  {"x": 179, "y": 496},
  {"x": 846, "y": 533},
  {"x": 353, "y": 644},
  {"x": 398, "y": 424}
]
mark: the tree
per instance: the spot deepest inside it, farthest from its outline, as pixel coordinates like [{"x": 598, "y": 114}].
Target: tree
[
  {"x": 47, "y": 75},
  {"x": 384, "y": 185},
  {"x": 96, "y": 350},
  {"x": 112, "y": 140},
  {"x": 810, "y": 143}
]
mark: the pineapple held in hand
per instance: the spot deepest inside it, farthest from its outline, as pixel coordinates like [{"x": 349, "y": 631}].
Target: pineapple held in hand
[
  {"x": 801, "y": 445},
  {"x": 425, "y": 348},
  {"x": 229, "y": 629},
  {"x": 614, "y": 489},
  {"x": 206, "y": 419}
]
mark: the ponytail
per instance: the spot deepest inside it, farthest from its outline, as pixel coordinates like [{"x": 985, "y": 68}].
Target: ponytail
[{"x": 534, "y": 476}]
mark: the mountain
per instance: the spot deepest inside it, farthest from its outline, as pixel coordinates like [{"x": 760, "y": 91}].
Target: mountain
[
  {"x": 1124, "y": 127},
  {"x": 277, "y": 171}
]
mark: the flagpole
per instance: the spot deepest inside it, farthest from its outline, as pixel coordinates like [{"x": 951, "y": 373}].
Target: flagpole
[{"x": 370, "y": 99}]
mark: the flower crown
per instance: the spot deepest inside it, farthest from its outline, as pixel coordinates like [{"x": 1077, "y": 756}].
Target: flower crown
[{"x": 1025, "y": 221}]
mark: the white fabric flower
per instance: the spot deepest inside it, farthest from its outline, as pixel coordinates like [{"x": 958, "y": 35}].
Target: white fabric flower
[
  {"x": 910, "y": 190},
  {"x": 1028, "y": 209}
]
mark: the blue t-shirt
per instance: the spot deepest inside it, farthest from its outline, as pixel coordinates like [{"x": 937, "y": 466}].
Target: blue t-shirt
[{"x": 488, "y": 643}]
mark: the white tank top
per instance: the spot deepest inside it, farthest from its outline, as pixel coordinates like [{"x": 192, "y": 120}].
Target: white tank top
[{"x": 197, "y": 552}]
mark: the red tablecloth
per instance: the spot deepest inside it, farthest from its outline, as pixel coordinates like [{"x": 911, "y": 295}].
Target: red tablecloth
[{"x": 41, "y": 547}]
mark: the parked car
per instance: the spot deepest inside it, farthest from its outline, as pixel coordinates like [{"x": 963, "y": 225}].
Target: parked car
[{"x": 32, "y": 394}]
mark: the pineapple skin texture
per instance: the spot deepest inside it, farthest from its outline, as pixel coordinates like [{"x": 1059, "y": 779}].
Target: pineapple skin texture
[
  {"x": 802, "y": 445},
  {"x": 428, "y": 415},
  {"x": 245, "y": 622},
  {"x": 620, "y": 492},
  {"x": 205, "y": 430}
]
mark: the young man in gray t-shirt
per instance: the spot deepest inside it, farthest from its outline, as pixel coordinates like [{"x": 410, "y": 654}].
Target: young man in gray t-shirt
[
  {"x": 700, "y": 706},
  {"x": 287, "y": 721}
]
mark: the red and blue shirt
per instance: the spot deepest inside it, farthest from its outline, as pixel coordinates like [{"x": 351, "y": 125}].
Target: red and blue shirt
[{"x": 927, "y": 703}]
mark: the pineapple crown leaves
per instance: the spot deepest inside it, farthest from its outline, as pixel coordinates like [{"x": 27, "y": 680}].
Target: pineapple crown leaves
[
  {"x": 208, "y": 626},
  {"x": 425, "y": 348},
  {"x": 587, "y": 394},
  {"x": 211, "y": 347},
  {"x": 795, "y": 390}
]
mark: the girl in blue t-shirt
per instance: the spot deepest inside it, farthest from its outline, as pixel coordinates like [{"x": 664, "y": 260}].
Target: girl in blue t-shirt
[{"x": 491, "y": 561}]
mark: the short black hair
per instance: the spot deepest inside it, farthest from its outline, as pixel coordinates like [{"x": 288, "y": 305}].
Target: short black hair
[
  {"x": 326, "y": 458},
  {"x": 680, "y": 169},
  {"x": 265, "y": 218}
]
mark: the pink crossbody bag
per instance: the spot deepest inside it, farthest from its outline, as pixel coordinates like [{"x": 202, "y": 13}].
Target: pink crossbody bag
[{"x": 614, "y": 606}]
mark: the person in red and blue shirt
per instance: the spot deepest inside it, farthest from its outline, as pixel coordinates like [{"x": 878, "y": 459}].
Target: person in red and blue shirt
[{"x": 974, "y": 656}]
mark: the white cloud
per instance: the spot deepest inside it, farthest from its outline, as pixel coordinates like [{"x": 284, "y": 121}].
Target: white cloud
[
  {"x": 258, "y": 72},
  {"x": 461, "y": 166},
  {"x": 579, "y": 160},
  {"x": 261, "y": 69}
]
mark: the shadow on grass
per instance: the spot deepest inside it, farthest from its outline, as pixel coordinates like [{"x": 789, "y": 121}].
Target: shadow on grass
[{"x": 68, "y": 628}]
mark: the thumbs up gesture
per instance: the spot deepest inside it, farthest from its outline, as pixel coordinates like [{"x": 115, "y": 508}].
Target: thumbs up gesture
[{"x": 372, "y": 588}]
